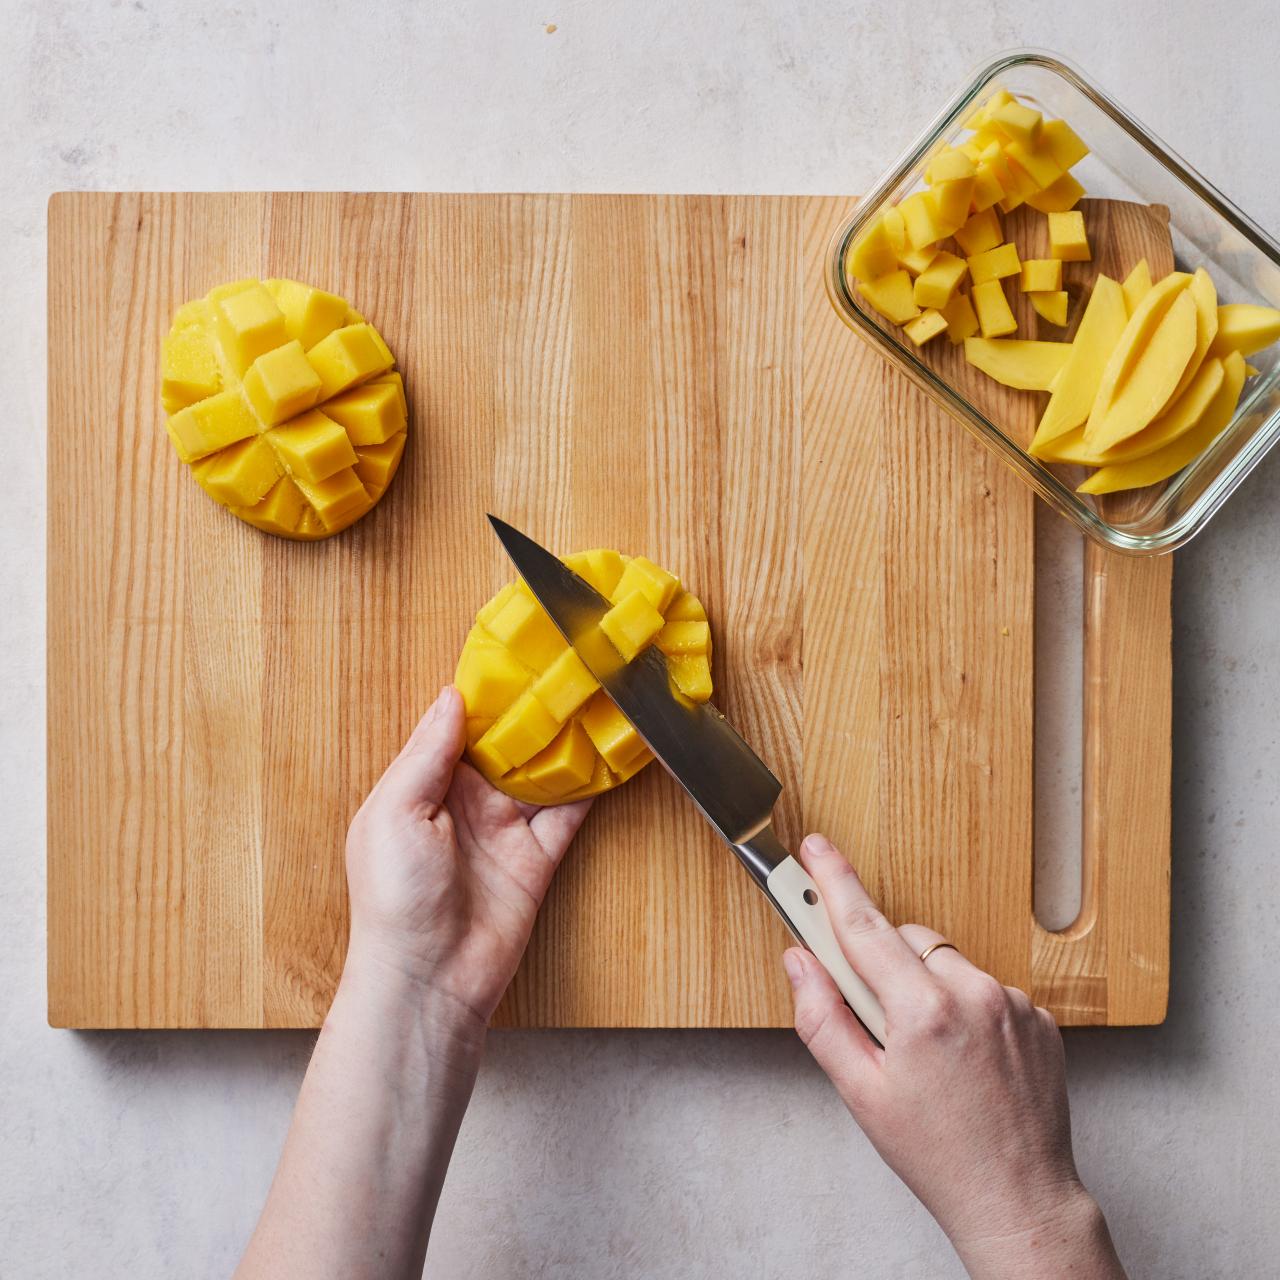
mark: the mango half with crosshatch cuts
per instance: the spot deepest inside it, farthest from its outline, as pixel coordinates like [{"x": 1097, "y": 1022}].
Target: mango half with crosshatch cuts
[
  {"x": 286, "y": 405},
  {"x": 539, "y": 726}
]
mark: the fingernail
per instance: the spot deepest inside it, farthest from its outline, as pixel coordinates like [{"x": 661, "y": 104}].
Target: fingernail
[
  {"x": 818, "y": 844},
  {"x": 793, "y": 962}
]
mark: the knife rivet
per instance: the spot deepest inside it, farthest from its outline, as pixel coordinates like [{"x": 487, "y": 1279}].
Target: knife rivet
[{"x": 810, "y": 897}]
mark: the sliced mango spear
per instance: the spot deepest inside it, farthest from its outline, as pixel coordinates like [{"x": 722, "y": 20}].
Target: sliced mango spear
[
  {"x": 1169, "y": 460},
  {"x": 1245, "y": 328},
  {"x": 1136, "y": 286},
  {"x": 1146, "y": 364},
  {"x": 1017, "y": 362},
  {"x": 1100, "y": 328},
  {"x": 1181, "y": 416},
  {"x": 1205, "y": 296}
]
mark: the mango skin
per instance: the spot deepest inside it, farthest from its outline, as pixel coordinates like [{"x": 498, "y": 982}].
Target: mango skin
[
  {"x": 539, "y": 727},
  {"x": 244, "y": 396}
]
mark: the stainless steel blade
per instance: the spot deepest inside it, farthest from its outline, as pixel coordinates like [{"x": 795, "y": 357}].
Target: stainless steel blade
[{"x": 699, "y": 747}]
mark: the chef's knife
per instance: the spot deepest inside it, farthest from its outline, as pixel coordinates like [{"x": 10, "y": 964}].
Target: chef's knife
[{"x": 702, "y": 751}]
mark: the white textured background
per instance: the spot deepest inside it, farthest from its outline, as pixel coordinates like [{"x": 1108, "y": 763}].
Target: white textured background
[{"x": 642, "y": 1154}]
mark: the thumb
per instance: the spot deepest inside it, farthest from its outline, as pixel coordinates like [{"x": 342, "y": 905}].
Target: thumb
[{"x": 421, "y": 773}]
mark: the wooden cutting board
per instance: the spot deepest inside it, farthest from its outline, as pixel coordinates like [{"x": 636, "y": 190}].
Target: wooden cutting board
[{"x": 657, "y": 374}]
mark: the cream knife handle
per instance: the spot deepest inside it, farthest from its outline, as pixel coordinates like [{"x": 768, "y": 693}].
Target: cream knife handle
[{"x": 800, "y": 904}]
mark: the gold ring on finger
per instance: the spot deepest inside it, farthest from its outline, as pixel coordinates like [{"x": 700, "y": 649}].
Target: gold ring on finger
[{"x": 936, "y": 946}]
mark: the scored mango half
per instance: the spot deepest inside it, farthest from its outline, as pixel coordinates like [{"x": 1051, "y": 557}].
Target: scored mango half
[
  {"x": 285, "y": 404},
  {"x": 539, "y": 726}
]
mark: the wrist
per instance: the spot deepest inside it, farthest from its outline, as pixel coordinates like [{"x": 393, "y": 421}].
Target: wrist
[
  {"x": 401, "y": 1004},
  {"x": 1065, "y": 1236}
]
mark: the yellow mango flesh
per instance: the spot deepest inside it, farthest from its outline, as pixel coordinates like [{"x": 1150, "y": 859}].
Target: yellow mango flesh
[
  {"x": 1100, "y": 329},
  {"x": 1051, "y": 306},
  {"x": 284, "y": 403},
  {"x": 1068, "y": 239},
  {"x": 539, "y": 726},
  {"x": 892, "y": 296},
  {"x": 1181, "y": 416},
  {"x": 1062, "y": 194},
  {"x": 1149, "y": 373},
  {"x": 936, "y": 285},
  {"x": 1136, "y": 286},
  {"x": 1168, "y": 461},
  {"x": 1015, "y": 362},
  {"x": 925, "y": 326},
  {"x": 872, "y": 254},
  {"x": 995, "y": 317},
  {"x": 1245, "y": 328}
]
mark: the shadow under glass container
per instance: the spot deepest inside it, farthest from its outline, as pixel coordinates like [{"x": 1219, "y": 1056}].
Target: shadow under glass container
[{"x": 1126, "y": 162}]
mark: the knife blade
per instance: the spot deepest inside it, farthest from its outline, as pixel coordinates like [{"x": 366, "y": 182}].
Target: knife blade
[{"x": 730, "y": 784}]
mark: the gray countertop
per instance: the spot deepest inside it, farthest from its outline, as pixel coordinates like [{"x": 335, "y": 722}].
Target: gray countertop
[{"x": 627, "y": 1154}]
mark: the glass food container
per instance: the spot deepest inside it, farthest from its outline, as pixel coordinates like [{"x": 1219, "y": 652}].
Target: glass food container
[{"x": 1127, "y": 163}]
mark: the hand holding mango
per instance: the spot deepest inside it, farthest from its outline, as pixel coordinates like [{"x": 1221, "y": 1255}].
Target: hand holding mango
[{"x": 1156, "y": 368}]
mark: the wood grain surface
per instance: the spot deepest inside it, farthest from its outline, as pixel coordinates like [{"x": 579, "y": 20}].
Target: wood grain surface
[{"x": 658, "y": 374}]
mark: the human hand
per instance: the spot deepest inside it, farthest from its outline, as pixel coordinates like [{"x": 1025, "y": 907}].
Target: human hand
[
  {"x": 967, "y": 1101},
  {"x": 446, "y": 872}
]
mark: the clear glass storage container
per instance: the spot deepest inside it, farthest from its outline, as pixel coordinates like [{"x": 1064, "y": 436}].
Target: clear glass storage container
[{"x": 1125, "y": 162}]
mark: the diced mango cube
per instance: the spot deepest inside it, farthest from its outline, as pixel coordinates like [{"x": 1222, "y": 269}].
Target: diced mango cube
[
  {"x": 313, "y": 446},
  {"x": 1040, "y": 165},
  {"x": 279, "y": 511},
  {"x": 566, "y": 765},
  {"x": 376, "y": 464},
  {"x": 691, "y": 674},
  {"x": 1067, "y": 239},
  {"x": 249, "y": 324},
  {"x": 489, "y": 677},
  {"x": 925, "y": 326},
  {"x": 949, "y": 165},
  {"x": 522, "y": 730},
  {"x": 611, "y": 733},
  {"x": 872, "y": 253},
  {"x": 678, "y": 637},
  {"x": 1051, "y": 306},
  {"x": 240, "y": 475},
  {"x": 212, "y": 424},
  {"x": 995, "y": 317},
  {"x": 348, "y": 356},
  {"x": 950, "y": 203},
  {"x": 686, "y": 607},
  {"x": 371, "y": 413},
  {"x": 920, "y": 215},
  {"x": 962, "y": 320},
  {"x": 565, "y": 685},
  {"x": 1041, "y": 275},
  {"x": 892, "y": 296},
  {"x": 632, "y": 623},
  {"x": 937, "y": 284},
  {"x": 1063, "y": 143},
  {"x": 1017, "y": 122},
  {"x": 393, "y": 379},
  {"x": 335, "y": 497},
  {"x": 980, "y": 232},
  {"x": 988, "y": 190},
  {"x": 600, "y": 568},
  {"x": 994, "y": 264},
  {"x": 1062, "y": 195},
  {"x": 523, "y": 627},
  {"x": 189, "y": 368},
  {"x": 895, "y": 228},
  {"x": 309, "y": 314},
  {"x": 917, "y": 260},
  {"x": 281, "y": 384},
  {"x": 653, "y": 582}
]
